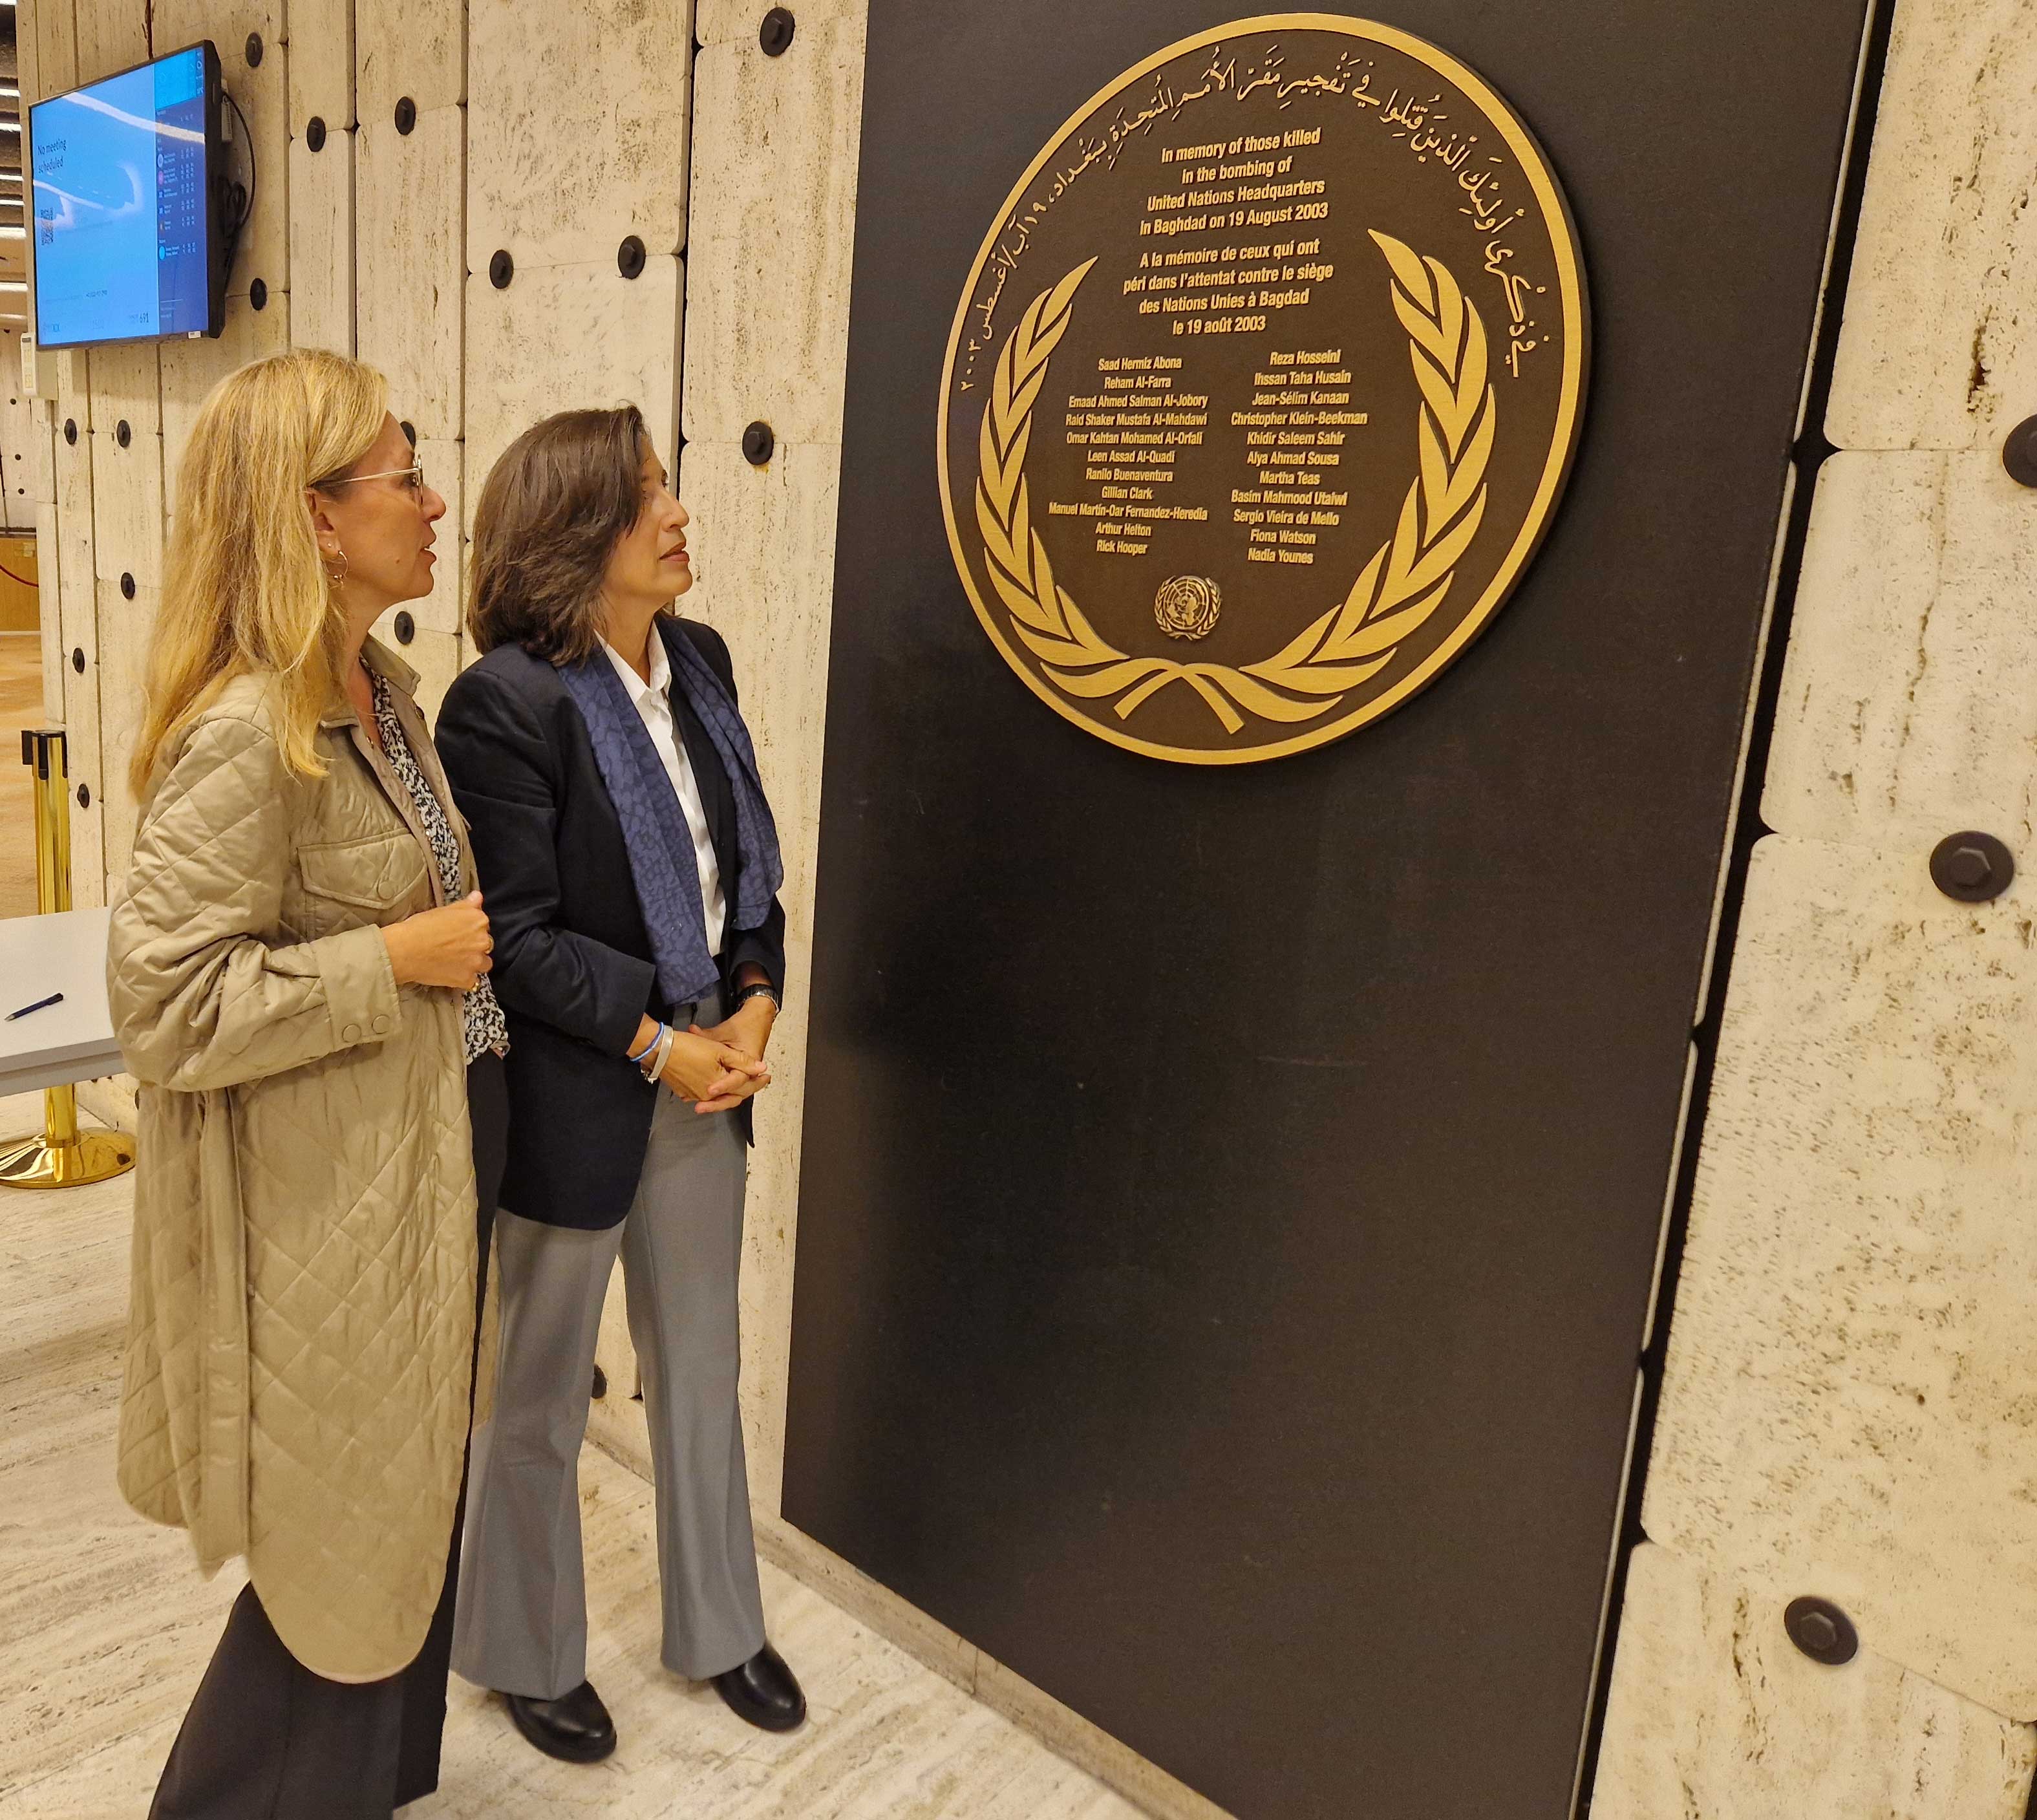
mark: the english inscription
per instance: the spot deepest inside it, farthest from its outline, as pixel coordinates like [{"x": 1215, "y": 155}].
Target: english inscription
[{"x": 1263, "y": 389}]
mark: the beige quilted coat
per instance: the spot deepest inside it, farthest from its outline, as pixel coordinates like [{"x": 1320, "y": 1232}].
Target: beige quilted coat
[{"x": 301, "y": 1329}]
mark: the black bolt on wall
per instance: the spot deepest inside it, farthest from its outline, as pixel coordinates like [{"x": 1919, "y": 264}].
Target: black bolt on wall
[
  {"x": 1821, "y": 1631},
  {"x": 122, "y": 433},
  {"x": 758, "y": 444},
  {"x": 71, "y": 431},
  {"x": 501, "y": 269},
  {"x": 406, "y": 628},
  {"x": 315, "y": 134},
  {"x": 126, "y": 586},
  {"x": 406, "y": 114},
  {"x": 1971, "y": 867},
  {"x": 776, "y": 33},
  {"x": 254, "y": 50},
  {"x": 258, "y": 295},
  {"x": 629, "y": 257},
  {"x": 2018, "y": 453}
]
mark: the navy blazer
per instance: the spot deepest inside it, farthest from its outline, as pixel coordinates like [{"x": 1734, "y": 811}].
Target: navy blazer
[{"x": 573, "y": 964}]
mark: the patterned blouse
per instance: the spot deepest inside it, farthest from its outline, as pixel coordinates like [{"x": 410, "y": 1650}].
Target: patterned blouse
[{"x": 485, "y": 1028}]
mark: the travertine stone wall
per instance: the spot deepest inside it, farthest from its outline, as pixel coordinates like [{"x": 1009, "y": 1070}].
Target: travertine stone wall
[
  {"x": 1847, "y": 1408},
  {"x": 1939, "y": 351},
  {"x": 1715, "y": 1716},
  {"x": 776, "y": 142},
  {"x": 552, "y": 199},
  {"x": 408, "y": 149},
  {"x": 416, "y": 48},
  {"x": 322, "y": 132},
  {"x": 409, "y": 262},
  {"x": 1850, "y": 1408}
]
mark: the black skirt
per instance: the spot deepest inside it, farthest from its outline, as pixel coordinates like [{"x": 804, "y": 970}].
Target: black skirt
[{"x": 265, "y": 1736}]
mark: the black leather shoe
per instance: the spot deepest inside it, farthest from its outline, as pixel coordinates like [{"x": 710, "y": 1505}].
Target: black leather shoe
[
  {"x": 763, "y": 1691},
  {"x": 575, "y": 1728}
]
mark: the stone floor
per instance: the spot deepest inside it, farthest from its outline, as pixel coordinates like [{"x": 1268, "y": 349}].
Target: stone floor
[
  {"x": 21, "y": 705},
  {"x": 107, "y": 1625}
]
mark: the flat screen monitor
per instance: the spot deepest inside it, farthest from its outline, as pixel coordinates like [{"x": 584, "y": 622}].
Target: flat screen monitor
[{"x": 128, "y": 174}]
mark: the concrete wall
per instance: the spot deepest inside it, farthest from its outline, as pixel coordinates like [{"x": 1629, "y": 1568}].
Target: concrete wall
[{"x": 1847, "y": 1408}]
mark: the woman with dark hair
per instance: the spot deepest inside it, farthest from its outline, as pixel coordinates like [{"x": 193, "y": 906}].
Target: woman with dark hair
[{"x": 631, "y": 870}]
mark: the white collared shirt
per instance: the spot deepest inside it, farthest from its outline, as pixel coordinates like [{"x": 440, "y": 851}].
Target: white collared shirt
[{"x": 654, "y": 707}]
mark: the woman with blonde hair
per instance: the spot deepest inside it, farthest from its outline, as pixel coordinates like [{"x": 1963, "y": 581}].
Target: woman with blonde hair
[{"x": 297, "y": 974}]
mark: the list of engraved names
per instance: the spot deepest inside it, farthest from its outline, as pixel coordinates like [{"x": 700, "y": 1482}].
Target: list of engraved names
[{"x": 1236, "y": 251}]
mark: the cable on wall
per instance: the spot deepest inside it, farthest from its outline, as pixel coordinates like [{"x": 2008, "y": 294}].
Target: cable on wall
[{"x": 235, "y": 227}]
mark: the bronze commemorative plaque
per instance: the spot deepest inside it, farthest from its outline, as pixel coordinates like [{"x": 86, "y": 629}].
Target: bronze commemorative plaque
[{"x": 1263, "y": 388}]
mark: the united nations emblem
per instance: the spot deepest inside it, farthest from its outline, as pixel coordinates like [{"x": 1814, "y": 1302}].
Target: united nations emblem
[
  {"x": 1291, "y": 315},
  {"x": 1187, "y": 606}
]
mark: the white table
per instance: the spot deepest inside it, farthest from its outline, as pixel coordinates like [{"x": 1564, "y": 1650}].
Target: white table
[{"x": 74, "y": 1041}]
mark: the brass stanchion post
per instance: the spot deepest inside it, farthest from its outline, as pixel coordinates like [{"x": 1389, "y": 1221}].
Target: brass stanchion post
[{"x": 62, "y": 1156}]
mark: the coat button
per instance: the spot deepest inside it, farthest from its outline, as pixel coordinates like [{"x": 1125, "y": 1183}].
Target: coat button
[
  {"x": 352, "y": 1033},
  {"x": 382, "y": 1024}
]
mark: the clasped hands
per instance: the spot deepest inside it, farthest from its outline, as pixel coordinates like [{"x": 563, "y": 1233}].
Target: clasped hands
[{"x": 715, "y": 1069}]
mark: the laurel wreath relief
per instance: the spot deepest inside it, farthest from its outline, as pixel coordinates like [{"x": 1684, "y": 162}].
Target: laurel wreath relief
[{"x": 1403, "y": 585}]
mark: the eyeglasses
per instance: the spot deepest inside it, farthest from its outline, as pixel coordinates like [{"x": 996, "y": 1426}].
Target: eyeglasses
[{"x": 415, "y": 474}]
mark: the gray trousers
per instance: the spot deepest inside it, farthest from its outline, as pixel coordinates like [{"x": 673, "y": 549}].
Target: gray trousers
[{"x": 522, "y": 1622}]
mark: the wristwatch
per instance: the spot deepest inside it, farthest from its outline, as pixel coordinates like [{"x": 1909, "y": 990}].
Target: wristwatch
[{"x": 757, "y": 988}]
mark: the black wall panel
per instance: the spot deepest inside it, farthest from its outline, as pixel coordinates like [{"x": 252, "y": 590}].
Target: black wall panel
[{"x": 1230, "y": 1197}]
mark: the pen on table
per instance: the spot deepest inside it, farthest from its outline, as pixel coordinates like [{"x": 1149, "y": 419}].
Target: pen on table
[{"x": 40, "y": 1004}]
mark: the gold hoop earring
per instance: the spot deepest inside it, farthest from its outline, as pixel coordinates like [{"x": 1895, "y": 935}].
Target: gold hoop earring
[{"x": 336, "y": 577}]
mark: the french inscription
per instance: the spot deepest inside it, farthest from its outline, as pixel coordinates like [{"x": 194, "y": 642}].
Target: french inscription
[{"x": 1291, "y": 317}]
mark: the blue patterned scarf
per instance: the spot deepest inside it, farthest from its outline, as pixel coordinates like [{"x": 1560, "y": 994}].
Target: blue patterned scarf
[{"x": 654, "y": 825}]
